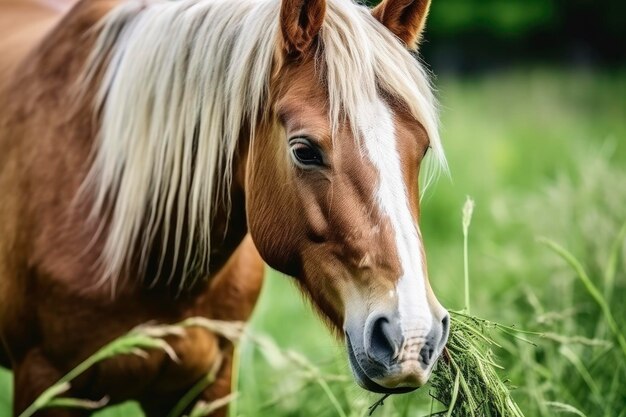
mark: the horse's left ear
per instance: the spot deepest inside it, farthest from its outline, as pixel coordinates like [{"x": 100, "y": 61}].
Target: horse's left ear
[
  {"x": 300, "y": 22},
  {"x": 405, "y": 18}
]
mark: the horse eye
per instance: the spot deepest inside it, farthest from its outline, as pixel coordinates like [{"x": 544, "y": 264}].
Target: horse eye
[{"x": 306, "y": 154}]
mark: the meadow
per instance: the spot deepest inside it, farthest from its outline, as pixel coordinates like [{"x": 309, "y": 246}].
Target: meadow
[{"x": 543, "y": 154}]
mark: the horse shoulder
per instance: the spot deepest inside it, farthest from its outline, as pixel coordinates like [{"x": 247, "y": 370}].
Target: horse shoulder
[{"x": 44, "y": 153}]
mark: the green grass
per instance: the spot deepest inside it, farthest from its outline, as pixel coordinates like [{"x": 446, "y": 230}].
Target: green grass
[{"x": 543, "y": 155}]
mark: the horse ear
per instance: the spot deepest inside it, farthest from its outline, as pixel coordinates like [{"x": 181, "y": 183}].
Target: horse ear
[
  {"x": 300, "y": 22},
  {"x": 404, "y": 18}
]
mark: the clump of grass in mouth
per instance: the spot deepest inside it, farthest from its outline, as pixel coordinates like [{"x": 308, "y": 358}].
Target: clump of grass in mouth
[{"x": 466, "y": 377}]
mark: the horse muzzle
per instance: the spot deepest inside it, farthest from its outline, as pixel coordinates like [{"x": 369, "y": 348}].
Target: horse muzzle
[{"x": 391, "y": 358}]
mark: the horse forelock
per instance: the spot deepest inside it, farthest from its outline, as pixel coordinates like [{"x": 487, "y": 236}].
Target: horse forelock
[{"x": 181, "y": 81}]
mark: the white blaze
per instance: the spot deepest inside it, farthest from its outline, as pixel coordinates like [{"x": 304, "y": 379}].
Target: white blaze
[{"x": 377, "y": 127}]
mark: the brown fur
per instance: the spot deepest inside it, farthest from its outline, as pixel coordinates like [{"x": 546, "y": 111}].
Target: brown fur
[
  {"x": 300, "y": 21},
  {"x": 405, "y": 18},
  {"x": 52, "y": 314}
]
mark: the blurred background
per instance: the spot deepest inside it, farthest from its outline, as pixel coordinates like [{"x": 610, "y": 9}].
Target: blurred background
[
  {"x": 533, "y": 118},
  {"x": 473, "y": 36}
]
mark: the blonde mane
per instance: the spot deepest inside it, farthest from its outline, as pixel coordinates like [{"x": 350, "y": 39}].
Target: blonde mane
[{"x": 181, "y": 79}]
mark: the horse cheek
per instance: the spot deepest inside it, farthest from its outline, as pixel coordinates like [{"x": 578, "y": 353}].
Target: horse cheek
[{"x": 274, "y": 231}]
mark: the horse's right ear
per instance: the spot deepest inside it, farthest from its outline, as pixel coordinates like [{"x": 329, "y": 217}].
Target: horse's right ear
[{"x": 300, "y": 22}]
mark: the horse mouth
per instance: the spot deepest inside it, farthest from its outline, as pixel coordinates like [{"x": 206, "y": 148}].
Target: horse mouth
[{"x": 365, "y": 381}]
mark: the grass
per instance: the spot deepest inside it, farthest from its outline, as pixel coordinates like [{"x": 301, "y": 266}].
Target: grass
[
  {"x": 540, "y": 152},
  {"x": 467, "y": 382}
]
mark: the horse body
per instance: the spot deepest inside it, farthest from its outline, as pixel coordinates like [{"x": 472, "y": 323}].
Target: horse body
[
  {"x": 96, "y": 240},
  {"x": 53, "y": 314}
]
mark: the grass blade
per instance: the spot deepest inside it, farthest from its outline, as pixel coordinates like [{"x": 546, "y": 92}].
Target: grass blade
[
  {"x": 565, "y": 408},
  {"x": 591, "y": 289},
  {"x": 455, "y": 394},
  {"x": 468, "y": 210}
]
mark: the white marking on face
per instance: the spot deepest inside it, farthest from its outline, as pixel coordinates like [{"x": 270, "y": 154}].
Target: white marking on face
[{"x": 377, "y": 126}]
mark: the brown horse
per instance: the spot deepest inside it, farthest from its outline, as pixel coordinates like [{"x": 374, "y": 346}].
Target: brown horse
[{"x": 148, "y": 149}]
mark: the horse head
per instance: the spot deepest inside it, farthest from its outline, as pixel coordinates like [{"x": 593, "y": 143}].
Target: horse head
[{"x": 331, "y": 187}]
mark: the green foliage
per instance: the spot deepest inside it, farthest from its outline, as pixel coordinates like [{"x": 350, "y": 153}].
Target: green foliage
[
  {"x": 482, "y": 33},
  {"x": 580, "y": 308},
  {"x": 451, "y": 18},
  {"x": 6, "y": 391},
  {"x": 504, "y": 19}
]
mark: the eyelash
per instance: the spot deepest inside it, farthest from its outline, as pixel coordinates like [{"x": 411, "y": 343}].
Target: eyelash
[{"x": 309, "y": 156}]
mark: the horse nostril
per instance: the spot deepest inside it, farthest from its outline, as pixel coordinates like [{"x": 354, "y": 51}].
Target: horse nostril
[
  {"x": 445, "y": 327},
  {"x": 435, "y": 341},
  {"x": 427, "y": 352},
  {"x": 383, "y": 340}
]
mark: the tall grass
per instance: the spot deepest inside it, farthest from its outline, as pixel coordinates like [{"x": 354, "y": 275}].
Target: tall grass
[{"x": 573, "y": 290}]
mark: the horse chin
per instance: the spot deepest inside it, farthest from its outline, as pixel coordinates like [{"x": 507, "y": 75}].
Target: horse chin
[{"x": 365, "y": 381}]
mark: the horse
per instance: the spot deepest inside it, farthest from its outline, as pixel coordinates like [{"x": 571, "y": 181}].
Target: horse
[{"x": 156, "y": 154}]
